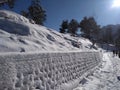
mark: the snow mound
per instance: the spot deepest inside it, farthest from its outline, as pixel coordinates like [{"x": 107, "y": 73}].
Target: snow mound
[
  {"x": 18, "y": 34},
  {"x": 14, "y": 23},
  {"x": 13, "y": 16}
]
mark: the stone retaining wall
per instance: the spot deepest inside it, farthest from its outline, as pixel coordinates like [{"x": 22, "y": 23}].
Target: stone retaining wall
[{"x": 44, "y": 71}]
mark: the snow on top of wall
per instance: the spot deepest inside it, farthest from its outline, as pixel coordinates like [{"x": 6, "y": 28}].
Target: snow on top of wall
[{"x": 17, "y": 34}]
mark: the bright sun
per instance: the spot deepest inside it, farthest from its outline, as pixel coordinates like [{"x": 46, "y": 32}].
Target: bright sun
[{"x": 116, "y": 3}]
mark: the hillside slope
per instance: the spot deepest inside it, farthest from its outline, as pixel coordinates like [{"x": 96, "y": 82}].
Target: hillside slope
[
  {"x": 115, "y": 29},
  {"x": 18, "y": 34}
]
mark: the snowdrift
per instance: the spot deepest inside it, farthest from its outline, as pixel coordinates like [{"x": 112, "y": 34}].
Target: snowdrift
[{"x": 18, "y": 34}]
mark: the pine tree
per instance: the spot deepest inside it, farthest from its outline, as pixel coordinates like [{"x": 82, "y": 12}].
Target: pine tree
[
  {"x": 36, "y": 12},
  {"x": 62, "y": 30},
  {"x": 10, "y": 3},
  {"x": 64, "y": 26},
  {"x": 94, "y": 28},
  {"x": 24, "y": 13},
  {"x": 73, "y": 27},
  {"x": 85, "y": 27},
  {"x": 89, "y": 27}
]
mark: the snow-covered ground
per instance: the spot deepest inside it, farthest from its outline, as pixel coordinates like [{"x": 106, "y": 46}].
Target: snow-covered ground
[
  {"x": 18, "y": 34},
  {"x": 105, "y": 77}
]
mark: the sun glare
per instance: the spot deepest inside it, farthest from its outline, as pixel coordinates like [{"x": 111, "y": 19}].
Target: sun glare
[{"x": 116, "y": 3}]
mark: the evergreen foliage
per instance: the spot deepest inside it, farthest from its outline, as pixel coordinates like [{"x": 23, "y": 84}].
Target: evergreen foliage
[
  {"x": 85, "y": 27},
  {"x": 10, "y": 3},
  {"x": 36, "y": 12},
  {"x": 73, "y": 27},
  {"x": 64, "y": 26},
  {"x": 89, "y": 27},
  {"x": 109, "y": 35},
  {"x": 24, "y": 13}
]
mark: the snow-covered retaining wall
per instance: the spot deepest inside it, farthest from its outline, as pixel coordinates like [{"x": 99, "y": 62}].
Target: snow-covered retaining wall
[{"x": 44, "y": 71}]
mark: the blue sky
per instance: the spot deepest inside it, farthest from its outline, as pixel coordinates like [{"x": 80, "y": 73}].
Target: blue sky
[{"x": 58, "y": 10}]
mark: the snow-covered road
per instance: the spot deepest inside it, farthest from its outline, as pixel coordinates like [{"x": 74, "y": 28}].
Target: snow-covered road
[{"x": 105, "y": 77}]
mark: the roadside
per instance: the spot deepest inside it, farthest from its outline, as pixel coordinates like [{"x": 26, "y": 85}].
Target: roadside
[{"x": 105, "y": 77}]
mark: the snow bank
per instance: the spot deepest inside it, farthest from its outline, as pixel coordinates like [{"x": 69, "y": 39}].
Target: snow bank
[
  {"x": 17, "y": 34},
  {"x": 45, "y": 71},
  {"x": 104, "y": 77},
  {"x": 13, "y": 16}
]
